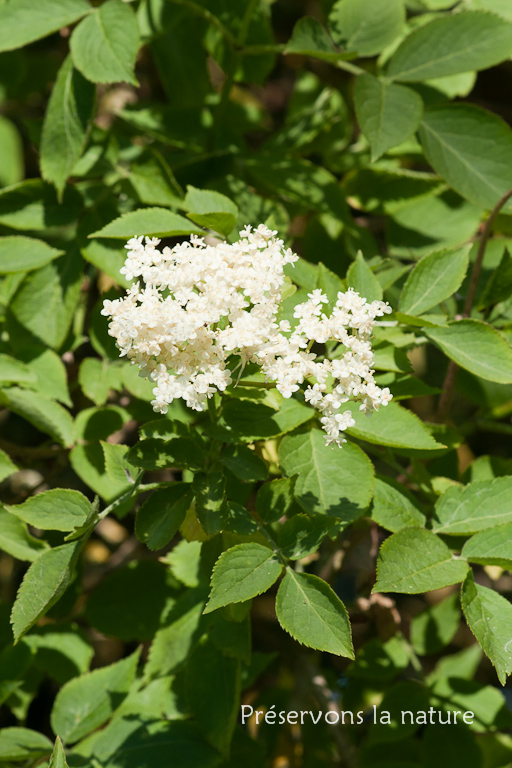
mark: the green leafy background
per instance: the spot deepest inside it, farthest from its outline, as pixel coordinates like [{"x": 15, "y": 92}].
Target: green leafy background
[{"x": 158, "y": 573}]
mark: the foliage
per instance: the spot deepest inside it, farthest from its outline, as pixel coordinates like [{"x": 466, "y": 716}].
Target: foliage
[{"x": 159, "y": 571}]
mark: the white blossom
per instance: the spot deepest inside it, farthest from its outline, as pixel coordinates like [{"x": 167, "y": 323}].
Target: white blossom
[{"x": 195, "y": 306}]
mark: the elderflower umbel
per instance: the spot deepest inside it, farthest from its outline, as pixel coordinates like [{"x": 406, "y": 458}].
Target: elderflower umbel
[{"x": 195, "y": 305}]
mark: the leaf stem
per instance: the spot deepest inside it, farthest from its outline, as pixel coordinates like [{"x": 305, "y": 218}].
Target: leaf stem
[{"x": 451, "y": 374}]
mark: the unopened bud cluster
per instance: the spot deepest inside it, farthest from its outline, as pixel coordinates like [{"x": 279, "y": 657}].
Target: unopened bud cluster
[{"x": 195, "y": 306}]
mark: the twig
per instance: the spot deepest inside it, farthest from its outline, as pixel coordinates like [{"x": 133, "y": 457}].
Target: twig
[{"x": 451, "y": 374}]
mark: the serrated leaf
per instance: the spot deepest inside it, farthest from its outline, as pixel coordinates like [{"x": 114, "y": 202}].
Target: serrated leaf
[
  {"x": 310, "y": 38},
  {"x": 301, "y": 535},
  {"x": 274, "y": 499},
  {"x": 21, "y": 744},
  {"x": 209, "y": 672},
  {"x": 173, "y": 642},
  {"x": 313, "y": 614},
  {"x": 43, "y": 584},
  {"x": 477, "y": 347},
  {"x": 394, "y": 426},
  {"x": 157, "y": 222},
  {"x": 241, "y": 573},
  {"x": 392, "y": 508},
  {"x": 475, "y": 507},
  {"x": 33, "y": 205},
  {"x": 490, "y": 547},
  {"x": 211, "y": 209},
  {"x": 335, "y": 482},
  {"x": 248, "y": 421},
  {"x": 22, "y": 22},
  {"x": 58, "y": 757},
  {"x": 470, "y": 148},
  {"x": 154, "y": 453},
  {"x": 361, "y": 278},
  {"x": 13, "y": 371},
  {"x": 94, "y": 379},
  {"x": 86, "y": 702},
  {"x": 104, "y": 45},
  {"x": 16, "y": 540},
  {"x": 435, "y": 278},
  {"x": 211, "y": 506},
  {"x": 414, "y": 561},
  {"x": 7, "y": 467},
  {"x": 499, "y": 287},
  {"x": 244, "y": 463},
  {"x": 435, "y": 627},
  {"x": 365, "y": 26},
  {"x": 161, "y": 515},
  {"x": 387, "y": 113},
  {"x": 55, "y": 286},
  {"x": 459, "y": 42},
  {"x": 489, "y": 616},
  {"x": 43, "y": 413},
  {"x": 12, "y": 169},
  {"x": 50, "y": 373},
  {"x": 59, "y": 509},
  {"x": 65, "y": 124},
  {"x": 21, "y": 254}
]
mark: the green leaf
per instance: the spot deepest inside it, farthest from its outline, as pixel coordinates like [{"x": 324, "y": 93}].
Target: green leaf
[
  {"x": 250, "y": 421},
  {"x": 490, "y": 547},
  {"x": 86, "y": 702},
  {"x": 50, "y": 372},
  {"x": 463, "y": 510},
  {"x": 310, "y": 38},
  {"x": 392, "y": 508},
  {"x": 361, "y": 278},
  {"x": 313, "y": 614},
  {"x": 471, "y": 149},
  {"x": 499, "y": 287},
  {"x": 13, "y": 371},
  {"x": 157, "y": 222},
  {"x": 211, "y": 209},
  {"x": 335, "y": 482},
  {"x": 56, "y": 287},
  {"x": 155, "y": 453},
  {"x": 129, "y": 602},
  {"x": 7, "y": 467},
  {"x": 62, "y": 651},
  {"x": 65, "y": 125},
  {"x": 16, "y": 540},
  {"x": 477, "y": 347},
  {"x": 21, "y": 744},
  {"x": 58, "y": 758},
  {"x": 210, "y": 500},
  {"x": 105, "y": 44},
  {"x": 20, "y": 254},
  {"x": 94, "y": 379},
  {"x": 394, "y": 426},
  {"x": 161, "y": 515},
  {"x": 12, "y": 169},
  {"x": 489, "y": 617},
  {"x": 43, "y": 584},
  {"x": 460, "y": 42},
  {"x": 365, "y": 26},
  {"x": 301, "y": 535},
  {"x": 435, "y": 278},
  {"x": 43, "y": 413},
  {"x": 381, "y": 661},
  {"x": 244, "y": 463},
  {"x": 436, "y": 626},
  {"x": 33, "y": 205},
  {"x": 21, "y": 21},
  {"x": 414, "y": 560},
  {"x": 274, "y": 499},
  {"x": 181, "y": 631},
  {"x": 211, "y": 675},
  {"x": 500, "y": 7},
  {"x": 387, "y": 113},
  {"x": 134, "y": 742},
  {"x": 241, "y": 573},
  {"x": 59, "y": 509}
]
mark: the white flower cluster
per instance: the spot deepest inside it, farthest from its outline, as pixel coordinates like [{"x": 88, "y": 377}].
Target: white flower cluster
[{"x": 195, "y": 305}]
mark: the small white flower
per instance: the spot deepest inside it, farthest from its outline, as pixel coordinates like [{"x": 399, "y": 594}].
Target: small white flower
[{"x": 195, "y": 305}]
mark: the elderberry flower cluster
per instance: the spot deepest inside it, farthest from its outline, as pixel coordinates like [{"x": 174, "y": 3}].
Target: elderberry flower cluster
[{"x": 195, "y": 306}]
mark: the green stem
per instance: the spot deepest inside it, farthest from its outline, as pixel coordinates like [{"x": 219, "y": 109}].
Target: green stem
[{"x": 348, "y": 67}]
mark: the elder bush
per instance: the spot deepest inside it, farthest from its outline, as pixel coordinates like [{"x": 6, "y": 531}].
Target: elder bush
[{"x": 317, "y": 204}]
